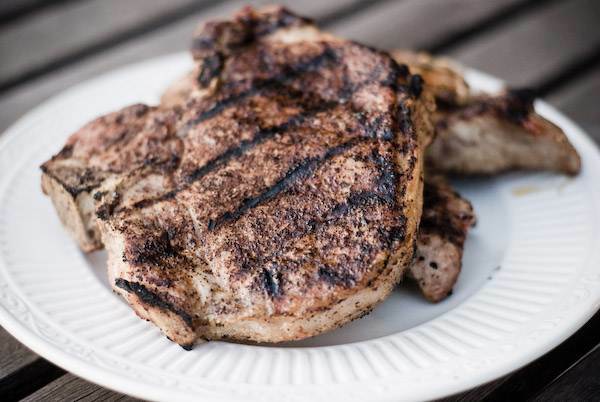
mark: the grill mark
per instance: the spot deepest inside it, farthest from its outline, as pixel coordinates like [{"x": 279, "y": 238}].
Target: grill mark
[
  {"x": 81, "y": 187},
  {"x": 290, "y": 72},
  {"x": 328, "y": 55},
  {"x": 152, "y": 299},
  {"x": 300, "y": 172},
  {"x": 335, "y": 278},
  {"x": 240, "y": 149},
  {"x": 271, "y": 282},
  {"x": 262, "y": 135},
  {"x": 153, "y": 250}
]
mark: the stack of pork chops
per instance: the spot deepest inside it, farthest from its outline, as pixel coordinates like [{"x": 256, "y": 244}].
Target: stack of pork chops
[{"x": 287, "y": 184}]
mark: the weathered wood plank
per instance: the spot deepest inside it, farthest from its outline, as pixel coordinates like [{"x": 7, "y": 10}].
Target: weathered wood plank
[
  {"x": 580, "y": 101},
  {"x": 21, "y": 370},
  {"x": 579, "y": 383},
  {"x": 57, "y": 32},
  {"x": 416, "y": 23},
  {"x": 535, "y": 45},
  {"x": 176, "y": 37},
  {"x": 12, "y": 8},
  {"x": 168, "y": 39},
  {"x": 71, "y": 388},
  {"x": 13, "y": 355}
]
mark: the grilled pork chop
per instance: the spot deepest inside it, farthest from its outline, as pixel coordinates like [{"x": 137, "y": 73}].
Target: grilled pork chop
[
  {"x": 492, "y": 134},
  {"x": 446, "y": 216},
  {"x": 281, "y": 202},
  {"x": 445, "y": 221},
  {"x": 487, "y": 134}
]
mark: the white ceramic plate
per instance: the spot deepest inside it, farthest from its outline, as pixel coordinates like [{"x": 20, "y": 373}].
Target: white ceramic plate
[{"x": 531, "y": 277}]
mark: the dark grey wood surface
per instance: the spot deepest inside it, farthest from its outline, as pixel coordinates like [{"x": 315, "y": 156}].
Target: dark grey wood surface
[{"x": 47, "y": 46}]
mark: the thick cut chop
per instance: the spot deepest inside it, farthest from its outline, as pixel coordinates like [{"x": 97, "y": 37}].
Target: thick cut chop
[
  {"x": 487, "y": 134},
  {"x": 492, "y": 134},
  {"x": 446, "y": 219},
  {"x": 282, "y": 201},
  {"x": 109, "y": 149},
  {"x": 447, "y": 216}
]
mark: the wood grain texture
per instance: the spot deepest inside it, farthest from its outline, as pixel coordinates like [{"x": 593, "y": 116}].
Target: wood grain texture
[
  {"x": 21, "y": 370},
  {"x": 13, "y": 355},
  {"x": 536, "y": 44},
  {"x": 580, "y": 100},
  {"x": 168, "y": 39},
  {"x": 579, "y": 383},
  {"x": 71, "y": 388},
  {"x": 58, "y": 32},
  {"x": 11, "y": 6},
  {"x": 176, "y": 37},
  {"x": 416, "y": 23}
]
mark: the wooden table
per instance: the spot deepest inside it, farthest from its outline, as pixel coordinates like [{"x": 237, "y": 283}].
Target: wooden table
[{"x": 553, "y": 45}]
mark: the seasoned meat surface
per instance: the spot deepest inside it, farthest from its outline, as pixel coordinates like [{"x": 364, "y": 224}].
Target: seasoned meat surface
[
  {"x": 282, "y": 200},
  {"x": 441, "y": 75},
  {"x": 483, "y": 134},
  {"x": 492, "y": 134},
  {"x": 446, "y": 220},
  {"x": 108, "y": 148}
]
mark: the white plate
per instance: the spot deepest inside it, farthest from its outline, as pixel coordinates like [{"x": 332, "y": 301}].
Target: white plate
[{"x": 531, "y": 277}]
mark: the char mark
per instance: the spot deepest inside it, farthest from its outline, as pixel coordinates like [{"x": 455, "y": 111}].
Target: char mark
[
  {"x": 244, "y": 29},
  {"x": 86, "y": 181},
  {"x": 519, "y": 104},
  {"x": 270, "y": 282},
  {"x": 262, "y": 135},
  {"x": 404, "y": 119},
  {"x": 300, "y": 172},
  {"x": 240, "y": 149},
  {"x": 152, "y": 250},
  {"x": 290, "y": 72},
  {"x": 104, "y": 211},
  {"x": 335, "y": 278},
  {"x": 152, "y": 299},
  {"x": 211, "y": 68},
  {"x": 415, "y": 86}
]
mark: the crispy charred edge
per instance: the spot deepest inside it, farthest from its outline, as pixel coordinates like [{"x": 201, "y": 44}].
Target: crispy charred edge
[
  {"x": 91, "y": 178},
  {"x": 247, "y": 26},
  {"x": 152, "y": 299},
  {"x": 153, "y": 250},
  {"x": 437, "y": 193},
  {"x": 515, "y": 106},
  {"x": 81, "y": 187},
  {"x": 217, "y": 40}
]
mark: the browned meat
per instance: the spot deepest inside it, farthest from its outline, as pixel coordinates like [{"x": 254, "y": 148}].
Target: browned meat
[
  {"x": 492, "y": 134},
  {"x": 126, "y": 142},
  {"x": 487, "y": 134},
  {"x": 438, "y": 246},
  {"x": 281, "y": 202},
  {"x": 442, "y": 76},
  {"x": 445, "y": 222}
]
